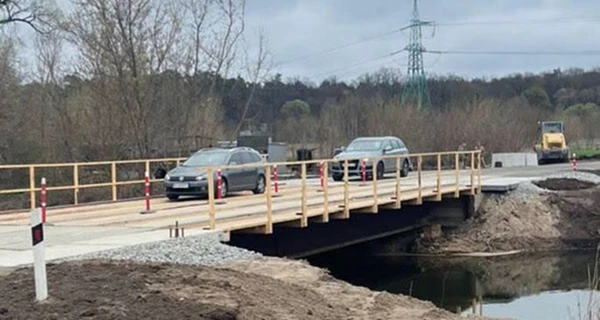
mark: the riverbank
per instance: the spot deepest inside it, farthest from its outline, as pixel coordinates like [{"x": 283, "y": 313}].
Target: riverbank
[
  {"x": 199, "y": 278},
  {"x": 555, "y": 213}
]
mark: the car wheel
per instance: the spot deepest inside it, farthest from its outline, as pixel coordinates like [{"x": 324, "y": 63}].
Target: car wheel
[
  {"x": 380, "y": 171},
  {"x": 173, "y": 197},
  {"x": 260, "y": 185},
  {"x": 338, "y": 178},
  {"x": 404, "y": 171}
]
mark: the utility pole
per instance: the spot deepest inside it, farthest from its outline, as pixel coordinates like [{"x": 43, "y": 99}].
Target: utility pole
[{"x": 415, "y": 87}]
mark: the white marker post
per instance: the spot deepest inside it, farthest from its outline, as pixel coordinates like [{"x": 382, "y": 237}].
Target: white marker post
[{"x": 39, "y": 255}]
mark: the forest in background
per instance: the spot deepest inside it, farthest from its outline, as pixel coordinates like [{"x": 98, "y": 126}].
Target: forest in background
[{"x": 146, "y": 78}]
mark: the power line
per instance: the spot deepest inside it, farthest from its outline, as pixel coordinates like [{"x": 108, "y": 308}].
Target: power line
[
  {"x": 358, "y": 64},
  {"x": 343, "y": 46},
  {"x": 568, "y": 53},
  {"x": 442, "y": 24},
  {"x": 521, "y": 21}
]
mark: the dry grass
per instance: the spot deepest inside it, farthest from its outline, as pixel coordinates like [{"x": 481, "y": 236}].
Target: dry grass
[{"x": 589, "y": 309}]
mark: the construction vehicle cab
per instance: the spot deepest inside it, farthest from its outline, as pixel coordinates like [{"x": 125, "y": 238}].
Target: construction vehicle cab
[{"x": 552, "y": 145}]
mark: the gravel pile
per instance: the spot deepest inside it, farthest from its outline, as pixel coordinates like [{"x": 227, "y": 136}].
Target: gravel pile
[
  {"x": 205, "y": 250},
  {"x": 578, "y": 175},
  {"x": 526, "y": 190}
]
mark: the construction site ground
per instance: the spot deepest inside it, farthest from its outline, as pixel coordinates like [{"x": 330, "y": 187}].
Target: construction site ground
[
  {"x": 268, "y": 288},
  {"x": 550, "y": 214}
]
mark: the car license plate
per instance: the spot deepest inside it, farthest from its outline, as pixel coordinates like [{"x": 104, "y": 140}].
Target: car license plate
[{"x": 181, "y": 185}]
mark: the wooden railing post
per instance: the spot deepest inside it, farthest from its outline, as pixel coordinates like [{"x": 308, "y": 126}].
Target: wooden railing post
[
  {"x": 438, "y": 196},
  {"x": 472, "y": 173},
  {"x": 346, "y": 191},
  {"x": 325, "y": 192},
  {"x": 479, "y": 162},
  {"x": 32, "y": 199},
  {"x": 113, "y": 170},
  {"x": 269, "y": 229},
  {"x": 420, "y": 182},
  {"x": 211, "y": 198},
  {"x": 456, "y": 174},
  {"x": 398, "y": 203},
  {"x": 375, "y": 206},
  {"x": 304, "y": 221},
  {"x": 76, "y": 184}
]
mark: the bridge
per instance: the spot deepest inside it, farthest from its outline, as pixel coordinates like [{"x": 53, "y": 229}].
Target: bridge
[{"x": 299, "y": 203}]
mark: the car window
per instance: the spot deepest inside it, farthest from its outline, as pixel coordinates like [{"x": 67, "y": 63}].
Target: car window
[
  {"x": 202, "y": 159},
  {"x": 396, "y": 144},
  {"x": 247, "y": 157},
  {"x": 364, "y": 145},
  {"x": 236, "y": 158},
  {"x": 255, "y": 157},
  {"x": 387, "y": 145},
  {"x": 402, "y": 145}
]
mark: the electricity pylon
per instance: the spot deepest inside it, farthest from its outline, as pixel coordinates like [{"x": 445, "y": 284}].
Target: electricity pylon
[{"x": 415, "y": 87}]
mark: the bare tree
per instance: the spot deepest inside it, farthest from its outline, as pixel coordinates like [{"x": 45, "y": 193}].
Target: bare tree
[
  {"x": 221, "y": 48},
  {"x": 36, "y": 14},
  {"x": 122, "y": 44},
  {"x": 256, "y": 71}
]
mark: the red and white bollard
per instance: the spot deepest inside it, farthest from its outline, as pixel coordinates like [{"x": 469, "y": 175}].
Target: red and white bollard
[
  {"x": 574, "y": 162},
  {"x": 147, "y": 192},
  {"x": 43, "y": 199},
  {"x": 363, "y": 172},
  {"x": 220, "y": 187},
  {"x": 322, "y": 175},
  {"x": 219, "y": 184},
  {"x": 275, "y": 180}
]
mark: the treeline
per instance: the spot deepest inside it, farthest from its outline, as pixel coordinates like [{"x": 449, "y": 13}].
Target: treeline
[{"x": 147, "y": 78}]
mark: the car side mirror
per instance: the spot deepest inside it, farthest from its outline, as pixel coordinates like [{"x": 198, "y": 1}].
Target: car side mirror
[
  {"x": 232, "y": 163},
  {"x": 387, "y": 149}
]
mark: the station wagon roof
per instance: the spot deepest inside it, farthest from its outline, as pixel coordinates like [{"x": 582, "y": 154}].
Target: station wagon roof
[{"x": 376, "y": 138}]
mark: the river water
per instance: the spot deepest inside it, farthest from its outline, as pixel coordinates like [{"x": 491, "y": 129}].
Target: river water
[{"x": 550, "y": 286}]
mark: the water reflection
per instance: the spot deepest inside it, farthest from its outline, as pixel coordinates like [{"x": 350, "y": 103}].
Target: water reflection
[{"x": 541, "y": 286}]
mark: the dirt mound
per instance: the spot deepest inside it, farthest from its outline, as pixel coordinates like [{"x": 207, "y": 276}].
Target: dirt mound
[
  {"x": 564, "y": 184},
  {"x": 265, "y": 289},
  {"x": 527, "y": 220}
]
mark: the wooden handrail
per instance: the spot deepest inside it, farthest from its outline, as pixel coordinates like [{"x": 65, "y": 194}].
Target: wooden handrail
[{"x": 113, "y": 183}]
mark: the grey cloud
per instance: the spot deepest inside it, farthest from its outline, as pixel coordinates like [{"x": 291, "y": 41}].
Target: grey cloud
[{"x": 296, "y": 28}]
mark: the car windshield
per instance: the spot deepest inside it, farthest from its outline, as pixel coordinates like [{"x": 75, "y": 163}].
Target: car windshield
[
  {"x": 204, "y": 159},
  {"x": 364, "y": 145}
]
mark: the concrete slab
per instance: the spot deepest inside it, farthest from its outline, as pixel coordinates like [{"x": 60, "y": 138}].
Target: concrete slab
[{"x": 508, "y": 160}]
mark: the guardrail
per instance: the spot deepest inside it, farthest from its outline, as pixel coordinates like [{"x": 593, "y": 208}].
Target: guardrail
[
  {"x": 77, "y": 168},
  {"x": 472, "y": 158}
]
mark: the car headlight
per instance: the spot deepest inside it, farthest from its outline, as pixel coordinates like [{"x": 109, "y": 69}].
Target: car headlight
[
  {"x": 200, "y": 178},
  {"x": 167, "y": 177}
]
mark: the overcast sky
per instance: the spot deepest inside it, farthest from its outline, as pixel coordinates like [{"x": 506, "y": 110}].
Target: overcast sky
[
  {"x": 297, "y": 28},
  {"x": 300, "y": 28}
]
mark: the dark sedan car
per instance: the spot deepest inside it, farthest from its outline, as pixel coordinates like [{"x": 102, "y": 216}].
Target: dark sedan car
[{"x": 190, "y": 178}]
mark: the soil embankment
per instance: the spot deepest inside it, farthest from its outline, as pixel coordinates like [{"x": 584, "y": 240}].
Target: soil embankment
[
  {"x": 560, "y": 212},
  {"x": 265, "y": 288}
]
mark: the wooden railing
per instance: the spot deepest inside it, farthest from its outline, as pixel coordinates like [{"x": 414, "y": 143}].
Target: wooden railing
[
  {"x": 77, "y": 168},
  {"x": 112, "y": 167},
  {"x": 474, "y": 161}
]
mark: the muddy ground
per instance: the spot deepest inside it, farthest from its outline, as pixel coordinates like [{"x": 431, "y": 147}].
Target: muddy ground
[
  {"x": 554, "y": 214},
  {"x": 268, "y": 288}
]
